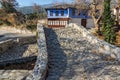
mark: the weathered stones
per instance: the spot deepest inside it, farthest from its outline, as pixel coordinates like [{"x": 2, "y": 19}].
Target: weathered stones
[
  {"x": 106, "y": 48},
  {"x": 19, "y": 52},
  {"x": 13, "y": 74},
  {"x": 40, "y": 69},
  {"x": 9, "y": 43},
  {"x": 5, "y": 45},
  {"x": 72, "y": 57}
]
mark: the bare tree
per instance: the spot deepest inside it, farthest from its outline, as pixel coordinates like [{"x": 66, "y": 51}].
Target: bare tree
[
  {"x": 96, "y": 14},
  {"x": 117, "y": 13},
  {"x": 55, "y": 2},
  {"x": 95, "y": 5}
]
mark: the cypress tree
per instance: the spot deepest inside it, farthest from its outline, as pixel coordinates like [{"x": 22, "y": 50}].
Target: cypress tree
[{"x": 108, "y": 23}]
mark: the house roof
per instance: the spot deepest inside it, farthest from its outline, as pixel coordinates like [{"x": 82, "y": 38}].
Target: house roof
[
  {"x": 55, "y": 8},
  {"x": 66, "y": 6}
]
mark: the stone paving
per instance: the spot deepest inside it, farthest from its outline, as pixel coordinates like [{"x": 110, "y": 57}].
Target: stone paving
[
  {"x": 71, "y": 57},
  {"x": 14, "y": 74}
]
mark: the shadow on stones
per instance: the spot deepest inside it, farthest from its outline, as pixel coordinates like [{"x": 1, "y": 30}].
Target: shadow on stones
[
  {"x": 76, "y": 60},
  {"x": 90, "y": 66},
  {"x": 7, "y": 36},
  {"x": 13, "y": 59},
  {"x": 57, "y": 60},
  {"x": 100, "y": 68}
]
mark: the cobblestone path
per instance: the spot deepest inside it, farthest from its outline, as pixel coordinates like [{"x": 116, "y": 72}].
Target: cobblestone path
[{"x": 71, "y": 57}]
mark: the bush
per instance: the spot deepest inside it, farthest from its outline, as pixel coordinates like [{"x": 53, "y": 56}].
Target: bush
[
  {"x": 33, "y": 16},
  {"x": 108, "y": 24},
  {"x": 31, "y": 27},
  {"x": 1, "y": 22},
  {"x": 5, "y": 22},
  {"x": 37, "y": 35}
]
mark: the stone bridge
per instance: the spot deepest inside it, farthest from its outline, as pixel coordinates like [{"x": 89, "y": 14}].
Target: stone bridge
[{"x": 73, "y": 53}]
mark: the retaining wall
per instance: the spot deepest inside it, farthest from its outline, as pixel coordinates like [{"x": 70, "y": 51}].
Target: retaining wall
[
  {"x": 15, "y": 30},
  {"x": 40, "y": 69},
  {"x": 26, "y": 40},
  {"x": 7, "y": 44},
  {"x": 17, "y": 61},
  {"x": 104, "y": 48}
]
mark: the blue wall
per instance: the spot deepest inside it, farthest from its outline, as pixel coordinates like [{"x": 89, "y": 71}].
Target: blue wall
[
  {"x": 67, "y": 13},
  {"x": 59, "y": 13},
  {"x": 78, "y": 16}
]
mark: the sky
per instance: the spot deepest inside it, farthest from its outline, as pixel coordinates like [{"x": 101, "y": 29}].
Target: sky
[
  {"x": 31, "y": 2},
  {"x": 40, "y": 2}
]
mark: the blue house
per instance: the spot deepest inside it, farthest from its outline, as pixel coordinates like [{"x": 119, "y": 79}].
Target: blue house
[{"x": 59, "y": 17}]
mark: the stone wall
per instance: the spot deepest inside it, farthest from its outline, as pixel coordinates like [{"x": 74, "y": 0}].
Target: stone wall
[
  {"x": 17, "y": 61},
  {"x": 40, "y": 69},
  {"x": 76, "y": 21},
  {"x": 15, "y": 30},
  {"x": 105, "y": 49},
  {"x": 5, "y": 45},
  {"x": 26, "y": 40},
  {"x": 89, "y": 22}
]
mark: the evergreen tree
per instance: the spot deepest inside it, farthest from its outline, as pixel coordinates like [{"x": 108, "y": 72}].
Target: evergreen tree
[{"x": 108, "y": 22}]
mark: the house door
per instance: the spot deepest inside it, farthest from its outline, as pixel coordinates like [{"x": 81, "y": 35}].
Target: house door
[{"x": 83, "y": 22}]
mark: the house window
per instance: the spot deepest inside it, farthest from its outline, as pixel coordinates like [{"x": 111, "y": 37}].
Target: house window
[
  {"x": 62, "y": 13},
  {"x": 51, "y": 13},
  {"x": 73, "y": 12},
  {"x": 57, "y": 13},
  {"x": 84, "y": 14},
  {"x": 79, "y": 13}
]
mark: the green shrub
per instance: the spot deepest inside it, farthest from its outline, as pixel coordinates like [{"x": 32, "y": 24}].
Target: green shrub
[
  {"x": 31, "y": 27},
  {"x": 5, "y": 22},
  {"x": 32, "y": 16},
  {"x": 108, "y": 24},
  {"x": 37, "y": 35}
]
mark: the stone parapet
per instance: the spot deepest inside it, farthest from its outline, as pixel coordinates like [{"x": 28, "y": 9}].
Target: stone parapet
[
  {"x": 107, "y": 50},
  {"x": 26, "y": 40},
  {"x": 40, "y": 69},
  {"x": 5, "y": 45}
]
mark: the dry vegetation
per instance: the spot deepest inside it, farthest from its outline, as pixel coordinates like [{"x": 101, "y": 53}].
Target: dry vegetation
[
  {"x": 11, "y": 17},
  {"x": 117, "y": 43}
]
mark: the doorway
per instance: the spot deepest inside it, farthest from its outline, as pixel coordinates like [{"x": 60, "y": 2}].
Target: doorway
[{"x": 83, "y": 22}]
